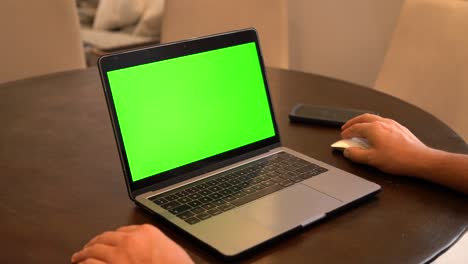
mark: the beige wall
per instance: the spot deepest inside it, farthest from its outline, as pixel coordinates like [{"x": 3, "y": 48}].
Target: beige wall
[{"x": 339, "y": 38}]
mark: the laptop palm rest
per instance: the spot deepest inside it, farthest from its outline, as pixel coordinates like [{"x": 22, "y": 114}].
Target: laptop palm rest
[{"x": 289, "y": 208}]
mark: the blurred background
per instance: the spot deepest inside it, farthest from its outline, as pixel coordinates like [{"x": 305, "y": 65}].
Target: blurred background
[{"x": 416, "y": 50}]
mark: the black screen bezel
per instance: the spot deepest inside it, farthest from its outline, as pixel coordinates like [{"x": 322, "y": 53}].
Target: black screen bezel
[{"x": 172, "y": 50}]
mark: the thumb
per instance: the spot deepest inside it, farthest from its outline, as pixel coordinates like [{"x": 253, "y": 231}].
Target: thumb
[{"x": 357, "y": 154}]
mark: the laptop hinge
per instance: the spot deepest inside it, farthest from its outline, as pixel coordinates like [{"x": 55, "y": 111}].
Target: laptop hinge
[{"x": 207, "y": 169}]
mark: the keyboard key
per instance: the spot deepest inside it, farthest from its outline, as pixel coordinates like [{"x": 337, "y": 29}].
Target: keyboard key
[
  {"x": 286, "y": 183},
  {"x": 205, "y": 192},
  {"x": 159, "y": 201},
  {"x": 215, "y": 196},
  {"x": 194, "y": 196},
  {"x": 219, "y": 202},
  {"x": 203, "y": 216},
  {"x": 229, "y": 198},
  {"x": 214, "y": 212},
  {"x": 249, "y": 190},
  {"x": 215, "y": 189},
  {"x": 194, "y": 204},
  {"x": 208, "y": 206},
  {"x": 198, "y": 210},
  {"x": 185, "y": 215},
  {"x": 184, "y": 200},
  {"x": 258, "y": 187},
  {"x": 226, "y": 207},
  {"x": 267, "y": 183},
  {"x": 211, "y": 183},
  {"x": 170, "y": 205},
  {"x": 225, "y": 192},
  {"x": 171, "y": 197},
  {"x": 180, "y": 209},
  {"x": 192, "y": 220},
  {"x": 254, "y": 196},
  {"x": 205, "y": 199}
]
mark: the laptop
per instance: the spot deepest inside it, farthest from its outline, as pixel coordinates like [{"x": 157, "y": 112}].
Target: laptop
[{"x": 200, "y": 147}]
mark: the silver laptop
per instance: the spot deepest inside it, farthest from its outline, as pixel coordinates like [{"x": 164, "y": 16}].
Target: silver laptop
[{"x": 200, "y": 147}]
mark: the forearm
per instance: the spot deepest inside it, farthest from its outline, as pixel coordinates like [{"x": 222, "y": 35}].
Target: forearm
[{"x": 445, "y": 168}]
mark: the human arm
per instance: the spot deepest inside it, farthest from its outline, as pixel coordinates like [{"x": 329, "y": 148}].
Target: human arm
[
  {"x": 394, "y": 149},
  {"x": 142, "y": 244}
]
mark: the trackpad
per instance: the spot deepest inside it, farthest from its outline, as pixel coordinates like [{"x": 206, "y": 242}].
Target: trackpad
[{"x": 289, "y": 207}]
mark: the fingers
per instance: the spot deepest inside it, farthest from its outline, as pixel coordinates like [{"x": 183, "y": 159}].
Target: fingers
[
  {"x": 107, "y": 238},
  {"x": 357, "y": 154},
  {"x": 92, "y": 261},
  {"x": 98, "y": 252},
  {"x": 362, "y": 130},
  {"x": 129, "y": 228},
  {"x": 364, "y": 118}
]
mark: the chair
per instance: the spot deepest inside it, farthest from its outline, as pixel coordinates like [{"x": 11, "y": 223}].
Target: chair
[
  {"x": 39, "y": 37},
  {"x": 427, "y": 61},
  {"x": 187, "y": 18}
]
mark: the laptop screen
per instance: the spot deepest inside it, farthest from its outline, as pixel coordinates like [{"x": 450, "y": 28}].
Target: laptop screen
[{"x": 181, "y": 110}]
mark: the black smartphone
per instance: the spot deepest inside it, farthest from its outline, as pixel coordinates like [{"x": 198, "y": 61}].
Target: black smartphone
[{"x": 324, "y": 115}]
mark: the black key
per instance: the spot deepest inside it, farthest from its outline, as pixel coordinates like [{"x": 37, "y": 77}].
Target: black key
[
  {"x": 225, "y": 192},
  {"x": 268, "y": 183},
  {"x": 276, "y": 179},
  {"x": 322, "y": 169},
  {"x": 229, "y": 198},
  {"x": 191, "y": 190},
  {"x": 215, "y": 196},
  {"x": 243, "y": 178},
  {"x": 296, "y": 179},
  {"x": 235, "y": 188},
  {"x": 203, "y": 216},
  {"x": 286, "y": 183},
  {"x": 219, "y": 202},
  {"x": 198, "y": 210},
  {"x": 205, "y": 199},
  {"x": 258, "y": 187},
  {"x": 205, "y": 192},
  {"x": 214, "y": 212},
  {"x": 249, "y": 190},
  {"x": 244, "y": 184},
  {"x": 208, "y": 206},
  {"x": 194, "y": 203},
  {"x": 180, "y": 209},
  {"x": 255, "y": 180},
  {"x": 171, "y": 197},
  {"x": 203, "y": 186},
  {"x": 184, "y": 200},
  {"x": 234, "y": 181},
  {"x": 185, "y": 215},
  {"x": 170, "y": 205},
  {"x": 179, "y": 195},
  {"x": 192, "y": 220},
  {"x": 239, "y": 195},
  {"x": 215, "y": 189},
  {"x": 225, "y": 207},
  {"x": 224, "y": 185},
  {"x": 183, "y": 193},
  {"x": 160, "y": 201},
  {"x": 256, "y": 195},
  {"x": 211, "y": 183},
  {"x": 194, "y": 196}
]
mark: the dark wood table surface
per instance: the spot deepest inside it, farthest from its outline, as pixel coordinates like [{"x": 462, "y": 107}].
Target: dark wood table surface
[{"x": 62, "y": 181}]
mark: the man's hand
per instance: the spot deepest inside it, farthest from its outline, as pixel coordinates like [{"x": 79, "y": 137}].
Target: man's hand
[
  {"x": 137, "y": 244},
  {"x": 394, "y": 149}
]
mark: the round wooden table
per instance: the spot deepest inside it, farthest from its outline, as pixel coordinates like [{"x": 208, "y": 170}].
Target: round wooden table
[{"x": 62, "y": 182}]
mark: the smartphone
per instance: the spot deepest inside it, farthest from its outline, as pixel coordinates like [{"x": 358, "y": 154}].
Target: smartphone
[{"x": 324, "y": 115}]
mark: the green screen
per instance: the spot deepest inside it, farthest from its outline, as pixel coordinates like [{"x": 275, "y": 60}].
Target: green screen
[{"x": 181, "y": 110}]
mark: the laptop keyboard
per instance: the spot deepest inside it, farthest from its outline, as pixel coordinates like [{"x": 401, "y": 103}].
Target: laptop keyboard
[{"x": 220, "y": 193}]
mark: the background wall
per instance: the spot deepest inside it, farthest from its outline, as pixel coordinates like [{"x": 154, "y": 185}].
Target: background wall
[{"x": 342, "y": 39}]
